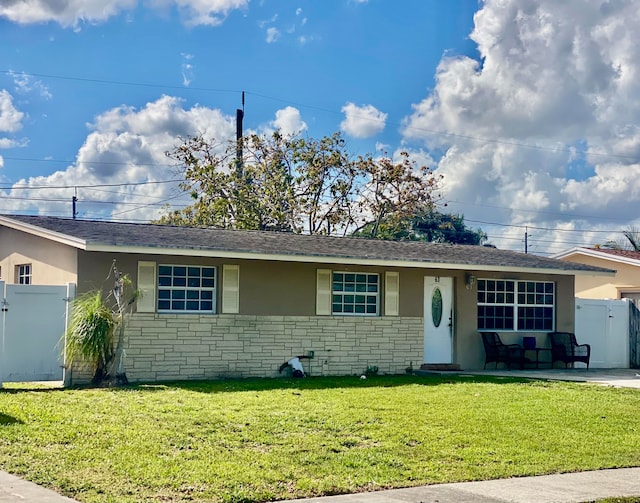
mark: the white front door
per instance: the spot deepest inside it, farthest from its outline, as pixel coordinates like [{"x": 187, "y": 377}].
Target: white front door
[{"x": 438, "y": 319}]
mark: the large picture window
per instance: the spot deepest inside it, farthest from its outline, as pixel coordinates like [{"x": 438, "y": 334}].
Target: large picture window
[
  {"x": 183, "y": 288},
  {"x": 516, "y": 305},
  {"x": 355, "y": 293}
]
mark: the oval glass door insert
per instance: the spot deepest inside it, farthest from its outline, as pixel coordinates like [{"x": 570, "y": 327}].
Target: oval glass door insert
[{"x": 436, "y": 307}]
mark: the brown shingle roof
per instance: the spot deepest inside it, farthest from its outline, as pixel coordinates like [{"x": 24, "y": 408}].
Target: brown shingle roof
[
  {"x": 97, "y": 234},
  {"x": 635, "y": 255}
]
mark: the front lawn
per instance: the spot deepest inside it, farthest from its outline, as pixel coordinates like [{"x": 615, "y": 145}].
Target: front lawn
[{"x": 259, "y": 440}]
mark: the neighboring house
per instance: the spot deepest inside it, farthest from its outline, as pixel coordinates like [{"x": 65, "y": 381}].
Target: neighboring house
[
  {"x": 625, "y": 283},
  {"x": 603, "y": 319},
  {"x": 221, "y": 303}
]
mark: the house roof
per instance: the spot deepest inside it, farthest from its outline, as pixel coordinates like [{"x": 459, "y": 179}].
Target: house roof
[
  {"x": 172, "y": 240},
  {"x": 621, "y": 256}
]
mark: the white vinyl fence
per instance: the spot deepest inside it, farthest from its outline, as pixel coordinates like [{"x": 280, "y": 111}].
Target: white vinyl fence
[
  {"x": 33, "y": 321},
  {"x": 605, "y": 325}
]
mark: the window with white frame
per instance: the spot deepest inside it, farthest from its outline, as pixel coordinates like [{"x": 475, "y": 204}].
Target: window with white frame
[
  {"x": 23, "y": 274},
  {"x": 516, "y": 305},
  {"x": 186, "y": 288},
  {"x": 355, "y": 293}
]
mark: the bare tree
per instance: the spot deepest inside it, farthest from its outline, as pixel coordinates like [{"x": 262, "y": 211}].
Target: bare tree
[
  {"x": 632, "y": 235},
  {"x": 296, "y": 184}
]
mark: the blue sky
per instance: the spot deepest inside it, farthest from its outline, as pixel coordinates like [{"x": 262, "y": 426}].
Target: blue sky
[{"x": 529, "y": 109}]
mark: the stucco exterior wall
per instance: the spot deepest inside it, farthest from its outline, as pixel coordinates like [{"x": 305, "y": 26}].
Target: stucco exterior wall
[
  {"x": 51, "y": 263},
  {"x": 468, "y": 349},
  {"x": 626, "y": 279},
  {"x": 277, "y": 321},
  {"x": 267, "y": 288}
]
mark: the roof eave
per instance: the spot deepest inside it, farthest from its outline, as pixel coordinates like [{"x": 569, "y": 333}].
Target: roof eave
[
  {"x": 329, "y": 259},
  {"x": 588, "y": 252},
  {"x": 44, "y": 233}
]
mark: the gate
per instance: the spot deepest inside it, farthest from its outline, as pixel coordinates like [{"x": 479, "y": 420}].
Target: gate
[
  {"x": 34, "y": 318},
  {"x": 604, "y": 324}
]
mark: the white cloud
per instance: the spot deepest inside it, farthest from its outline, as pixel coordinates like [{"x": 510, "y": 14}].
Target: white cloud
[
  {"x": 26, "y": 84},
  {"x": 508, "y": 125},
  {"x": 10, "y": 116},
  {"x": 289, "y": 121},
  {"x": 9, "y": 143},
  {"x": 71, "y": 13},
  {"x": 362, "y": 121},
  {"x": 127, "y": 145},
  {"x": 304, "y": 20},
  {"x": 187, "y": 69},
  {"x": 306, "y": 39},
  {"x": 203, "y": 12},
  {"x": 66, "y": 13},
  {"x": 273, "y": 34},
  {"x": 289, "y": 27},
  {"x": 265, "y": 22}
]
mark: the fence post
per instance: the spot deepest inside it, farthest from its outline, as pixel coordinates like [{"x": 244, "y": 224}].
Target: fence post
[
  {"x": 67, "y": 372},
  {"x": 634, "y": 333},
  {"x": 3, "y": 313}
]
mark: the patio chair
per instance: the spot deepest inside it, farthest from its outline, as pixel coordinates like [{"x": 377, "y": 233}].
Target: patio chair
[
  {"x": 496, "y": 351},
  {"x": 565, "y": 348}
]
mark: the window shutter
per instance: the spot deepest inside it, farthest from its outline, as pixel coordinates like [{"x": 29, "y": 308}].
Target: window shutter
[
  {"x": 230, "y": 289},
  {"x": 391, "y": 293},
  {"x": 323, "y": 292},
  {"x": 147, "y": 287}
]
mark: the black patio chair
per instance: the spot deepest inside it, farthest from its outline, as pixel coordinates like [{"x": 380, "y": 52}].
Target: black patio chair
[
  {"x": 496, "y": 351},
  {"x": 565, "y": 348}
]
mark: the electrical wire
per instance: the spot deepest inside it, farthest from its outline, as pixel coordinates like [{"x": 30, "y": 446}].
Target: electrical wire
[
  {"x": 82, "y": 186},
  {"x": 480, "y": 139},
  {"x": 454, "y": 135}
]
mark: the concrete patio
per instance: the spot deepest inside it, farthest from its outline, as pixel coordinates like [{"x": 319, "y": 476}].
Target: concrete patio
[{"x": 621, "y": 378}]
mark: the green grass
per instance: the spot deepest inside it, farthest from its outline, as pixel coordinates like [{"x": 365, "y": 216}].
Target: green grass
[
  {"x": 259, "y": 440},
  {"x": 632, "y": 499}
]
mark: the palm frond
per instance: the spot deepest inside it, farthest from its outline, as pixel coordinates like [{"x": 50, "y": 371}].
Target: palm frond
[{"x": 89, "y": 337}]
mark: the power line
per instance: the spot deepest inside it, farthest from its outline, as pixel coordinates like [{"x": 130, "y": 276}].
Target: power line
[
  {"x": 536, "y": 212},
  {"x": 90, "y": 201},
  {"x": 568, "y": 150},
  {"x": 81, "y": 186},
  {"x": 118, "y": 82},
  {"x": 523, "y": 226},
  {"x": 182, "y": 194},
  {"x": 99, "y": 163},
  {"x": 513, "y": 143},
  {"x": 303, "y": 105},
  {"x": 160, "y": 203}
]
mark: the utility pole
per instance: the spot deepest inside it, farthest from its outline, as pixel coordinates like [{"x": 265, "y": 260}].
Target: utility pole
[
  {"x": 526, "y": 240},
  {"x": 74, "y": 200},
  {"x": 239, "y": 132}
]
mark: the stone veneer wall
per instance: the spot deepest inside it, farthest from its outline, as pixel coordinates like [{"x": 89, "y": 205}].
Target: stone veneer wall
[{"x": 162, "y": 347}]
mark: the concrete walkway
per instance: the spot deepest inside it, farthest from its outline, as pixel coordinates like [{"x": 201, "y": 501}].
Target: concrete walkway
[
  {"x": 564, "y": 488},
  {"x": 14, "y": 490},
  {"x": 619, "y": 378}
]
